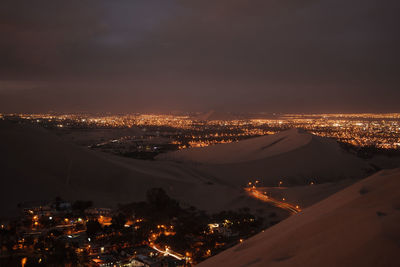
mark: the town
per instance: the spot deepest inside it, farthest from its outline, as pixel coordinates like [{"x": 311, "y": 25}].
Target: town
[
  {"x": 224, "y": 133},
  {"x": 157, "y": 232}
]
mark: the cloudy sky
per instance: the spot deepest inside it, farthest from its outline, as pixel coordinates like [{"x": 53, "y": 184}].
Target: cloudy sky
[{"x": 196, "y": 55}]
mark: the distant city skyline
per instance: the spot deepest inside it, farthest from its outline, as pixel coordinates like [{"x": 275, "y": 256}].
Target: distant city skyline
[{"x": 229, "y": 55}]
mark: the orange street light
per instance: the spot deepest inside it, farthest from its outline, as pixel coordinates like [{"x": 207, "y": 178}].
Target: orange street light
[{"x": 23, "y": 261}]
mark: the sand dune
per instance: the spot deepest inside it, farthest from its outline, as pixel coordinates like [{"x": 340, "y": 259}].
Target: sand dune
[
  {"x": 38, "y": 165},
  {"x": 358, "y": 226},
  {"x": 244, "y": 151},
  {"x": 292, "y": 156}
]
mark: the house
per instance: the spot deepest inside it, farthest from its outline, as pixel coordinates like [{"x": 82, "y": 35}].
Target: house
[
  {"x": 96, "y": 212},
  {"x": 106, "y": 261}
]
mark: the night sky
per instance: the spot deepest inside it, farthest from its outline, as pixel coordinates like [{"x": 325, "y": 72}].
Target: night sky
[{"x": 196, "y": 55}]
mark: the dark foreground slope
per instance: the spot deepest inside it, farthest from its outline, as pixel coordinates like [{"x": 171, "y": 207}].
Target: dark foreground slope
[
  {"x": 37, "y": 165},
  {"x": 358, "y": 226}
]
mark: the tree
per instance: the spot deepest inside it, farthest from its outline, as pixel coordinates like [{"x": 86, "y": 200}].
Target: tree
[
  {"x": 118, "y": 221},
  {"x": 81, "y": 205},
  {"x": 57, "y": 201},
  {"x": 46, "y": 222},
  {"x": 157, "y": 198},
  {"x": 93, "y": 227}
]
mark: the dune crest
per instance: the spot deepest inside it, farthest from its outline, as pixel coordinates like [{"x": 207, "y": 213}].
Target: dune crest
[{"x": 247, "y": 150}]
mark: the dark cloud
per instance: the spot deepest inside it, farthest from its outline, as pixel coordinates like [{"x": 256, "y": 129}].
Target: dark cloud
[{"x": 276, "y": 55}]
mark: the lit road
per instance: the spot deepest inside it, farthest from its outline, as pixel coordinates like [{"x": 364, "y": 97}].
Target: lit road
[
  {"x": 253, "y": 192},
  {"x": 169, "y": 252}
]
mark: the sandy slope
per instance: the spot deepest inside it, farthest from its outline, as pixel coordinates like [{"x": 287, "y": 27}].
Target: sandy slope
[
  {"x": 306, "y": 195},
  {"x": 358, "y": 226},
  {"x": 292, "y": 156},
  {"x": 244, "y": 151},
  {"x": 37, "y": 165}
]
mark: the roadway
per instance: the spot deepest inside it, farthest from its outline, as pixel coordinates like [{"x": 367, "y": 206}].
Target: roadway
[{"x": 253, "y": 192}]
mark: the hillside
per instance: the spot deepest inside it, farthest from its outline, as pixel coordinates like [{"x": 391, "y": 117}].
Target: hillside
[
  {"x": 38, "y": 165},
  {"x": 358, "y": 226},
  {"x": 292, "y": 156},
  {"x": 244, "y": 151}
]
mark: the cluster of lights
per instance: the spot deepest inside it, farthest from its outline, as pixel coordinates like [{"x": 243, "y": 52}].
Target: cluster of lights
[{"x": 367, "y": 129}]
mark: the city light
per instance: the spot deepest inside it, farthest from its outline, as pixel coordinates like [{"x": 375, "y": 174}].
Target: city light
[{"x": 367, "y": 129}]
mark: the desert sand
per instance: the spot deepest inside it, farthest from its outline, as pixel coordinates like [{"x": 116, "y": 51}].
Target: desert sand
[
  {"x": 292, "y": 156},
  {"x": 358, "y": 226}
]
